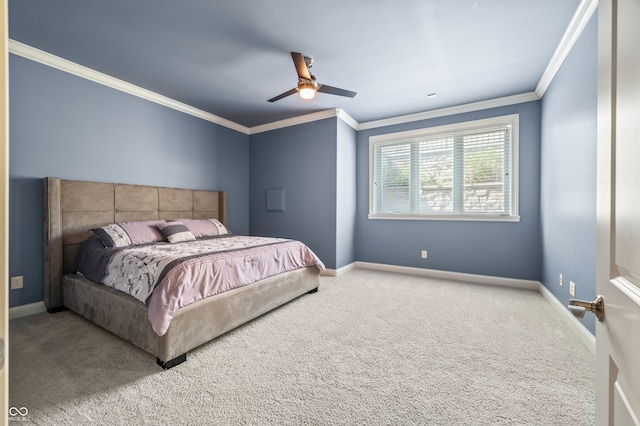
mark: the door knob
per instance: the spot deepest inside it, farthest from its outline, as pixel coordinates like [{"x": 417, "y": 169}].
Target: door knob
[{"x": 579, "y": 307}]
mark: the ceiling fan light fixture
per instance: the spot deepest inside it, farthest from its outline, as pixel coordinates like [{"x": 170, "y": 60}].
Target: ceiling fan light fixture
[
  {"x": 308, "y": 86},
  {"x": 306, "y": 91}
]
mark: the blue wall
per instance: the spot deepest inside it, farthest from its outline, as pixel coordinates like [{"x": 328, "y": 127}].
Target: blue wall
[
  {"x": 568, "y": 188},
  {"x": 503, "y": 249},
  {"x": 345, "y": 195},
  {"x": 69, "y": 127},
  {"x": 302, "y": 160}
]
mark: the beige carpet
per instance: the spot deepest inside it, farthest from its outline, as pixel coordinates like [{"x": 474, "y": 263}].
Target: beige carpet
[{"x": 370, "y": 348}]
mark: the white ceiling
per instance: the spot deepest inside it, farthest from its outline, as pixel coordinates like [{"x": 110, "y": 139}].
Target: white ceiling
[{"x": 229, "y": 57}]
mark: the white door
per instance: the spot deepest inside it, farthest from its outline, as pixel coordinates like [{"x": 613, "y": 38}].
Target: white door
[
  {"x": 4, "y": 213},
  {"x": 618, "y": 267}
]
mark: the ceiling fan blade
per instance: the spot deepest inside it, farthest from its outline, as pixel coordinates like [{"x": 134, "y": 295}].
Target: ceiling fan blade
[
  {"x": 283, "y": 95},
  {"x": 336, "y": 91},
  {"x": 301, "y": 65}
]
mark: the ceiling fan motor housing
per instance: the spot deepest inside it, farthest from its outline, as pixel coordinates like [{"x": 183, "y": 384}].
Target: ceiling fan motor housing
[{"x": 308, "y": 61}]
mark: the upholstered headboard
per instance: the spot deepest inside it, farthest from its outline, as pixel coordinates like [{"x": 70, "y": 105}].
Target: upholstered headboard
[{"x": 73, "y": 207}]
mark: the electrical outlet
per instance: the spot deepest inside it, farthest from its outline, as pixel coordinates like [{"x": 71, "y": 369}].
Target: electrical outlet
[
  {"x": 423, "y": 254},
  {"x": 560, "y": 280},
  {"x": 16, "y": 282},
  {"x": 572, "y": 288}
]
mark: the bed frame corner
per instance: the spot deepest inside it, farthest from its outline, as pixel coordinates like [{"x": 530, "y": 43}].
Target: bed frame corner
[{"x": 172, "y": 362}]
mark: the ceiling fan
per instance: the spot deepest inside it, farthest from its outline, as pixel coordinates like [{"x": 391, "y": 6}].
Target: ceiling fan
[{"x": 307, "y": 83}]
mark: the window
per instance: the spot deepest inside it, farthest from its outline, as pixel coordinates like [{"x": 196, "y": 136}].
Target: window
[{"x": 465, "y": 171}]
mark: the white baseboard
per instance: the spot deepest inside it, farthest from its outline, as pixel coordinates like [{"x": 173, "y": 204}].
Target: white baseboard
[
  {"x": 455, "y": 276},
  {"x": 585, "y": 335},
  {"x": 339, "y": 271},
  {"x": 26, "y": 310}
]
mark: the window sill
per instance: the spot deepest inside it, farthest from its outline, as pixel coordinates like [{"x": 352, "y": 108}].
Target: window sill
[{"x": 458, "y": 217}]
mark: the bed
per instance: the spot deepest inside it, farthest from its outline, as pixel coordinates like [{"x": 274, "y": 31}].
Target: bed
[{"x": 72, "y": 208}]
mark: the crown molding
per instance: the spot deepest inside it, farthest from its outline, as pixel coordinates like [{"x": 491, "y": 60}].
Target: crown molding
[
  {"x": 45, "y": 58},
  {"x": 574, "y": 30},
  {"x": 301, "y": 119},
  {"x": 585, "y": 10},
  {"x": 459, "y": 109},
  {"x": 53, "y": 61},
  {"x": 344, "y": 116}
]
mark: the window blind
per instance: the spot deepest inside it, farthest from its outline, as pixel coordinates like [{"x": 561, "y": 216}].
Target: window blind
[{"x": 460, "y": 172}]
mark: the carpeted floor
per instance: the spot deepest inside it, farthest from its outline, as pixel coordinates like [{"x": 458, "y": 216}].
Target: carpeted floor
[{"x": 370, "y": 348}]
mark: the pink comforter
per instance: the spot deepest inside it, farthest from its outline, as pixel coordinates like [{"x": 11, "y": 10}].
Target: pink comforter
[{"x": 237, "y": 262}]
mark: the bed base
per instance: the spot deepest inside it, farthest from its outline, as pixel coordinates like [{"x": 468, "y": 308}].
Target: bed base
[
  {"x": 166, "y": 365},
  {"x": 192, "y": 325}
]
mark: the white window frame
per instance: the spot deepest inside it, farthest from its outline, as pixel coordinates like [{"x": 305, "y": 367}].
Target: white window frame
[{"x": 512, "y": 120}]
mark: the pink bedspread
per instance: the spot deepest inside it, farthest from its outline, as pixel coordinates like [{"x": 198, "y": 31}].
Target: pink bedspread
[{"x": 212, "y": 267}]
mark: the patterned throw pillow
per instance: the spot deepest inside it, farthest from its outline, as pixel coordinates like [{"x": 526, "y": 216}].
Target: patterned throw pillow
[
  {"x": 125, "y": 234},
  {"x": 175, "y": 232},
  {"x": 222, "y": 230},
  {"x": 112, "y": 235},
  {"x": 204, "y": 227}
]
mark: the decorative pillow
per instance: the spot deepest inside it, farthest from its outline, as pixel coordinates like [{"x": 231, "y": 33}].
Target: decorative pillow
[
  {"x": 112, "y": 235},
  {"x": 204, "y": 227},
  {"x": 129, "y": 233},
  {"x": 222, "y": 230},
  {"x": 175, "y": 232},
  {"x": 143, "y": 232}
]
